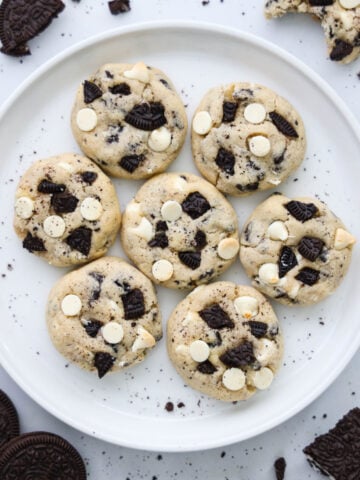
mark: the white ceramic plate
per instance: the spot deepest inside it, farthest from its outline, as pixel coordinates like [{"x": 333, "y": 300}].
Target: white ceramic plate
[{"x": 128, "y": 408}]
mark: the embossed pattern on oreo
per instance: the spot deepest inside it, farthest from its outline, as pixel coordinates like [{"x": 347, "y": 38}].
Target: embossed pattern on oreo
[
  {"x": 308, "y": 275},
  {"x": 287, "y": 261},
  {"x": 301, "y": 211},
  {"x": 283, "y": 125},
  {"x": 131, "y": 162},
  {"x": 134, "y": 305},
  {"x": 103, "y": 362},
  {"x": 147, "y": 116},
  {"x": 216, "y": 317},
  {"x": 190, "y": 259},
  {"x": 310, "y": 247},
  {"x": 91, "y": 91}
]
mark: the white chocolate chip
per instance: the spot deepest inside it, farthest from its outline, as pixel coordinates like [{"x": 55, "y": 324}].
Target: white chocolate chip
[
  {"x": 112, "y": 332},
  {"x": 54, "y": 226},
  {"x": 171, "y": 210},
  {"x": 233, "y": 379},
  {"x": 71, "y": 305},
  {"x": 343, "y": 239},
  {"x": 91, "y": 209},
  {"x": 66, "y": 166},
  {"x": 278, "y": 231},
  {"x": 269, "y": 273},
  {"x": 202, "y": 123},
  {"x": 246, "y": 306},
  {"x": 162, "y": 270},
  {"x": 255, "y": 113},
  {"x": 159, "y": 139},
  {"x": 347, "y": 19},
  {"x": 199, "y": 351},
  {"x": 179, "y": 184},
  {"x": 144, "y": 229},
  {"x": 274, "y": 181},
  {"x": 86, "y": 119},
  {"x": 144, "y": 339},
  {"x": 293, "y": 289},
  {"x": 138, "y": 72},
  {"x": 24, "y": 207},
  {"x": 228, "y": 248},
  {"x": 133, "y": 208},
  {"x": 348, "y": 4},
  {"x": 265, "y": 351},
  {"x": 259, "y": 145},
  {"x": 262, "y": 378}
]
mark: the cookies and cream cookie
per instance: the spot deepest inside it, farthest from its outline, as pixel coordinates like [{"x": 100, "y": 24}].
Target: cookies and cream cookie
[
  {"x": 180, "y": 230},
  {"x": 66, "y": 210},
  {"x": 129, "y": 119},
  {"x": 245, "y": 138},
  {"x": 104, "y": 316},
  {"x": 340, "y": 20},
  {"x": 224, "y": 340},
  {"x": 295, "y": 250}
]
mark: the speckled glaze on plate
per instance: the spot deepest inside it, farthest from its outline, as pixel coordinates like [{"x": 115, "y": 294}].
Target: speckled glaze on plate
[{"x": 128, "y": 407}]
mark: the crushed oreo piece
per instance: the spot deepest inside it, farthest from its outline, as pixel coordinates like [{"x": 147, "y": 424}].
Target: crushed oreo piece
[
  {"x": 134, "y": 304},
  {"x": 337, "y": 453},
  {"x": 169, "y": 406},
  {"x": 131, "y": 162},
  {"x": 21, "y": 20},
  {"x": 160, "y": 240},
  {"x": 190, "y": 259},
  {"x": 225, "y": 160},
  {"x": 308, "y": 275},
  {"x": 218, "y": 340},
  {"x": 119, "y": 6},
  {"x": 80, "y": 240},
  {"x": 33, "y": 243},
  {"x": 258, "y": 329},
  {"x": 147, "y": 116},
  {"x": 91, "y": 91},
  {"x": 64, "y": 202},
  {"x": 240, "y": 356},
  {"x": 280, "y": 466},
  {"x": 207, "y": 368},
  {"x": 301, "y": 211},
  {"x": 195, "y": 205},
  {"x": 161, "y": 226},
  {"x": 89, "y": 177},
  {"x": 120, "y": 89},
  {"x": 95, "y": 294},
  {"x": 249, "y": 187},
  {"x": 103, "y": 362},
  {"x": 341, "y": 50},
  {"x": 92, "y": 327},
  {"x": 45, "y": 186},
  {"x": 287, "y": 261},
  {"x": 200, "y": 241},
  {"x": 283, "y": 125},
  {"x": 321, "y": 3},
  {"x": 216, "y": 317},
  {"x": 310, "y": 247},
  {"x": 229, "y": 111}
]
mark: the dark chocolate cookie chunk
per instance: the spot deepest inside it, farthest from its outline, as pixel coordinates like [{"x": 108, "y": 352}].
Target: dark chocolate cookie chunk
[
  {"x": 160, "y": 240},
  {"x": 21, "y": 20},
  {"x": 103, "y": 362},
  {"x": 119, "y": 6},
  {"x": 195, "y": 205},
  {"x": 91, "y": 91},
  {"x": 33, "y": 243},
  {"x": 190, "y": 259},
  {"x": 64, "y": 202},
  {"x": 301, "y": 211},
  {"x": 89, "y": 177},
  {"x": 283, "y": 125},
  {"x": 46, "y": 186},
  {"x": 225, "y": 160},
  {"x": 9, "y": 420},
  {"x": 340, "y": 50},
  {"x": 207, "y": 368},
  {"x": 92, "y": 327},
  {"x": 240, "y": 356},
  {"x": 337, "y": 453},
  {"x": 310, "y": 247},
  {"x": 134, "y": 304},
  {"x": 120, "y": 89},
  {"x": 287, "y": 261},
  {"x": 147, "y": 116},
  {"x": 229, "y": 111},
  {"x": 258, "y": 329},
  {"x": 216, "y": 317},
  {"x": 41, "y": 455},
  {"x": 308, "y": 275},
  {"x": 131, "y": 162},
  {"x": 280, "y": 467},
  {"x": 80, "y": 240}
]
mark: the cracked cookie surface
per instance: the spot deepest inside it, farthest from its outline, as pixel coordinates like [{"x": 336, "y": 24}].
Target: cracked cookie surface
[
  {"x": 180, "y": 230},
  {"x": 340, "y": 20},
  {"x": 224, "y": 340},
  {"x": 246, "y": 138},
  {"x": 104, "y": 316},
  {"x": 129, "y": 119},
  {"x": 66, "y": 210},
  {"x": 295, "y": 251}
]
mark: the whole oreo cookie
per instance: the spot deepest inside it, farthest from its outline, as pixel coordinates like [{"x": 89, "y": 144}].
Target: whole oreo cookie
[
  {"x": 45, "y": 455},
  {"x": 21, "y": 20},
  {"x": 9, "y": 420}
]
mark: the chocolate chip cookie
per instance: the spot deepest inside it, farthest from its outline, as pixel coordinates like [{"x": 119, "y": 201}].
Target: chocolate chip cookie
[
  {"x": 66, "y": 210},
  {"x": 180, "y": 230},
  {"x": 224, "y": 340},
  {"x": 104, "y": 317},
  {"x": 295, "y": 251},
  {"x": 129, "y": 119},
  {"x": 246, "y": 138},
  {"x": 340, "y": 20}
]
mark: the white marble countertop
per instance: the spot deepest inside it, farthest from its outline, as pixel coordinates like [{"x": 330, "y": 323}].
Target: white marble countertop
[{"x": 248, "y": 460}]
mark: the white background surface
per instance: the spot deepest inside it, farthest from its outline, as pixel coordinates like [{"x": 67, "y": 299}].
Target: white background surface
[{"x": 253, "y": 459}]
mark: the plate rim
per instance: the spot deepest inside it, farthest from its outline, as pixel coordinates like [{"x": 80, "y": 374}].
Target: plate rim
[{"x": 301, "y": 67}]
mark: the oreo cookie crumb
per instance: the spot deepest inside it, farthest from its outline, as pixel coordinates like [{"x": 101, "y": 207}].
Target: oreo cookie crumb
[
  {"x": 280, "y": 466},
  {"x": 119, "y": 6},
  {"x": 169, "y": 407}
]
